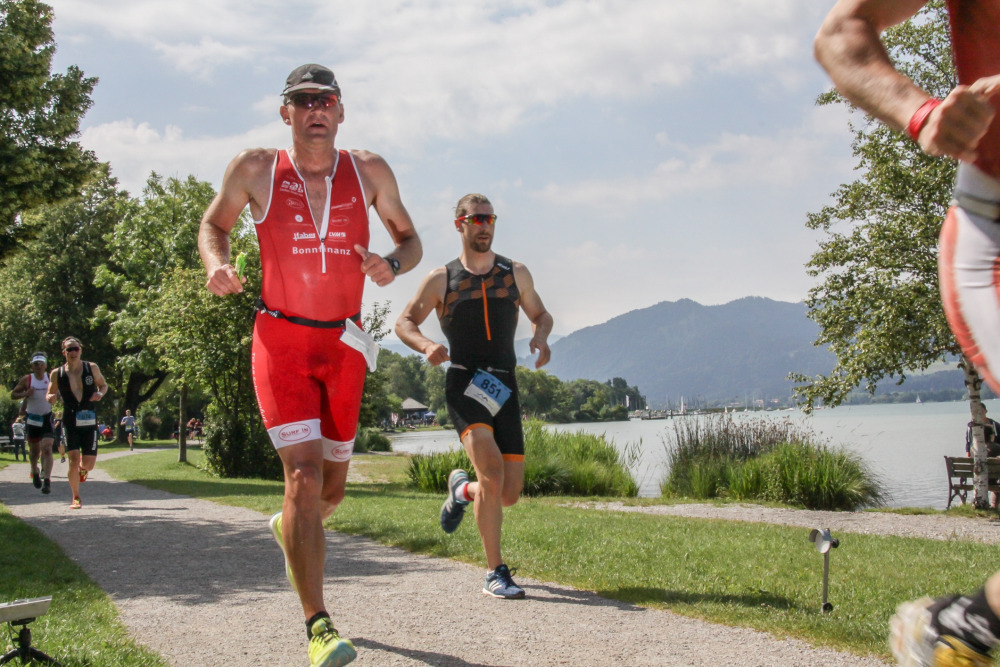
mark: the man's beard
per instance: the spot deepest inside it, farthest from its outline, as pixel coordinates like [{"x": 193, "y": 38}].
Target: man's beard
[{"x": 482, "y": 246}]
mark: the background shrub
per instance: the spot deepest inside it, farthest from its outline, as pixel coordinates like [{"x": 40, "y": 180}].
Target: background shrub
[
  {"x": 555, "y": 463},
  {"x": 371, "y": 440},
  {"x": 765, "y": 460}
]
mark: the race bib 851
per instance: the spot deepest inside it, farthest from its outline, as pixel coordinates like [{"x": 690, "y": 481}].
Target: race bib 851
[{"x": 489, "y": 391}]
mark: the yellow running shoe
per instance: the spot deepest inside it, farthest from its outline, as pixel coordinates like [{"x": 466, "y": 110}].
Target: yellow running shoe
[
  {"x": 83, "y": 474},
  {"x": 276, "y": 531},
  {"x": 915, "y": 642},
  {"x": 76, "y": 504},
  {"x": 327, "y": 648}
]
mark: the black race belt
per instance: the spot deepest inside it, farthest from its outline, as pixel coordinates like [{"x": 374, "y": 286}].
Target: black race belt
[{"x": 305, "y": 321}]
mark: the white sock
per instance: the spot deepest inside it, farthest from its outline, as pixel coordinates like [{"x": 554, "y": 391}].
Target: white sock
[{"x": 460, "y": 493}]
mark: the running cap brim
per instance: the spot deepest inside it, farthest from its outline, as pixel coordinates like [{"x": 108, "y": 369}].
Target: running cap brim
[
  {"x": 39, "y": 357},
  {"x": 311, "y": 77}
]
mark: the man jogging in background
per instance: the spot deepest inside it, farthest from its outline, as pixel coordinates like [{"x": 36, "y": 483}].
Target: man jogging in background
[
  {"x": 956, "y": 630},
  {"x": 310, "y": 207},
  {"x": 128, "y": 422},
  {"x": 478, "y": 297},
  {"x": 32, "y": 389},
  {"x": 78, "y": 384}
]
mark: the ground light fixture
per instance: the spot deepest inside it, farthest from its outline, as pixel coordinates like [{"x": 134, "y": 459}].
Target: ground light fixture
[
  {"x": 23, "y": 612},
  {"x": 824, "y": 541}
]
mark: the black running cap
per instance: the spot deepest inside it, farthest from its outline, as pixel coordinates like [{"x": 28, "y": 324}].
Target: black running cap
[{"x": 311, "y": 77}]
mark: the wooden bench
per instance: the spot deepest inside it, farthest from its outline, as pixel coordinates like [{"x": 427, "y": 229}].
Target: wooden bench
[
  {"x": 960, "y": 478},
  {"x": 6, "y": 444}
]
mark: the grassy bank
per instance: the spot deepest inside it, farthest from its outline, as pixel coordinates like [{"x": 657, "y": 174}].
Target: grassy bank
[
  {"x": 82, "y": 625},
  {"x": 765, "y": 460},
  {"x": 760, "y": 576}
]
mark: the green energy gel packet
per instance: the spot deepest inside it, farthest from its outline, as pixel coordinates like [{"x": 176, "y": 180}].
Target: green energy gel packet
[{"x": 241, "y": 265}]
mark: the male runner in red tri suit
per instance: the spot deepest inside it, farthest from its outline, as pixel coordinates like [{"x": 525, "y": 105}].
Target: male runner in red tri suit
[
  {"x": 310, "y": 208},
  {"x": 965, "y": 126}
]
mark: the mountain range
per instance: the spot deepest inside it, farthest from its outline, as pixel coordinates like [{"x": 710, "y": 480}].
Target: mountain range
[{"x": 737, "y": 352}]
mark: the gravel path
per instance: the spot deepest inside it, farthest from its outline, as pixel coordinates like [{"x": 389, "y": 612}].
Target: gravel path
[
  {"x": 187, "y": 574},
  {"x": 931, "y": 526}
]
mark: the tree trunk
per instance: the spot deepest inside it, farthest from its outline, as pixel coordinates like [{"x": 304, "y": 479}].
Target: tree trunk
[
  {"x": 182, "y": 427},
  {"x": 980, "y": 472}
]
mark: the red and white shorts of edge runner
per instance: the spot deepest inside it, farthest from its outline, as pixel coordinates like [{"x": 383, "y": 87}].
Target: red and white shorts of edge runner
[
  {"x": 308, "y": 385},
  {"x": 969, "y": 271}
]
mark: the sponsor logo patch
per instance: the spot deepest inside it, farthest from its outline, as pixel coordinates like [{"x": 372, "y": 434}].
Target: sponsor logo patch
[
  {"x": 291, "y": 186},
  {"x": 295, "y": 203},
  {"x": 295, "y": 433},
  {"x": 304, "y": 236}
]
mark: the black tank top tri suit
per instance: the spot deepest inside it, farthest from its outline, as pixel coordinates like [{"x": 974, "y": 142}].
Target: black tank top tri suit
[
  {"x": 479, "y": 317},
  {"x": 72, "y": 405}
]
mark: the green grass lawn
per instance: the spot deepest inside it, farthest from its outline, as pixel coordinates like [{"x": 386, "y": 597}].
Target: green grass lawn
[
  {"x": 755, "y": 575},
  {"x": 82, "y": 625}
]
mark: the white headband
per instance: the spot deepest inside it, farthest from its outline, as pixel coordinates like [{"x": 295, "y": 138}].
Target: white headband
[{"x": 39, "y": 357}]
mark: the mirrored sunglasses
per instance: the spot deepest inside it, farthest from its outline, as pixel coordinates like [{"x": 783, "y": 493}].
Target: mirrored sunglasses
[
  {"x": 72, "y": 349},
  {"x": 478, "y": 219},
  {"x": 310, "y": 100}
]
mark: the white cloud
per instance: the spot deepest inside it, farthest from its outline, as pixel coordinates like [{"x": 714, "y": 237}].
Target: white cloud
[
  {"x": 455, "y": 68},
  {"x": 784, "y": 159},
  {"x": 136, "y": 149}
]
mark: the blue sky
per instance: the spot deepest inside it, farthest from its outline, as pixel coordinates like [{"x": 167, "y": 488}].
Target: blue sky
[{"x": 636, "y": 151}]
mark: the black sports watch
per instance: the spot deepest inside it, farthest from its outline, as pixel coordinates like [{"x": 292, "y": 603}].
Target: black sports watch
[{"x": 393, "y": 264}]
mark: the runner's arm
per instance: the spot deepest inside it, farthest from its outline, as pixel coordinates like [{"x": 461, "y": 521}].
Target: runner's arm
[
  {"x": 52, "y": 394},
  {"x": 23, "y": 389},
  {"x": 541, "y": 319},
  {"x": 849, "y": 47},
  {"x": 430, "y": 295},
  {"x": 223, "y": 214},
  {"x": 102, "y": 385},
  {"x": 378, "y": 179}
]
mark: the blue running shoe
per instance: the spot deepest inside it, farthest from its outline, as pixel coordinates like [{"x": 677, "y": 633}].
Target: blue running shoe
[
  {"x": 454, "y": 508},
  {"x": 500, "y": 584},
  {"x": 276, "y": 531}
]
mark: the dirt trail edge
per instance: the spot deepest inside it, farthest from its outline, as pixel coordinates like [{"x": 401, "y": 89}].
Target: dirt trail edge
[{"x": 204, "y": 584}]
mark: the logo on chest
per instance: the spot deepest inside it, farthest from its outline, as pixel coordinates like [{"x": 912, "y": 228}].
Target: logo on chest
[{"x": 292, "y": 187}]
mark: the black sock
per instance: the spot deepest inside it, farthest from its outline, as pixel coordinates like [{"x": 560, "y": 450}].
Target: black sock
[
  {"x": 315, "y": 617},
  {"x": 969, "y": 618}
]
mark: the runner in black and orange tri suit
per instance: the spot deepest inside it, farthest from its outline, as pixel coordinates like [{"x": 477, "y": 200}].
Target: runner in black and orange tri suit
[{"x": 477, "y": 298}]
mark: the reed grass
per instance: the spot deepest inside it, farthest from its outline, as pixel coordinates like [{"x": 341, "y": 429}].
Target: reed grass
[
  {"x": 765, "y": 460},
  {"x": 555, "y": 463}
]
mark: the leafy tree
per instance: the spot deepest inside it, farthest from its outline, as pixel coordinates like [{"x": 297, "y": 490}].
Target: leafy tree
[
  {"x": 877, "y": 302},
  {"x": 40, "y": 114},
  {"x": 204, "y": 341},
  {"x": 49, "y": 291},
  {"x": 434, "y": 377},
  {"x": 375, "y": 399},
  {"x": 544, "y": 396},
  {"x": 153, "y": 236},
  {"x": 405, "y": 375}
]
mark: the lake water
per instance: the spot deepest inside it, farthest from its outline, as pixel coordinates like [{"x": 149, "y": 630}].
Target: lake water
[{"x": 903, "y": 443}]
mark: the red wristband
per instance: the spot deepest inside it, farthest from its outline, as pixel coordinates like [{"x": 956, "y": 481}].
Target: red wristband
[{"x": 920, "y": 117}]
